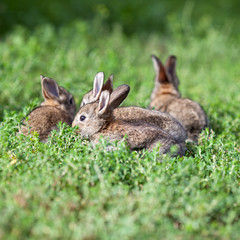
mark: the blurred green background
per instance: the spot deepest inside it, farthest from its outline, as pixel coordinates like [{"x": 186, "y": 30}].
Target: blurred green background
[
  {"x": 133, "y": 16},
  {"x": 66, "y": 189}
]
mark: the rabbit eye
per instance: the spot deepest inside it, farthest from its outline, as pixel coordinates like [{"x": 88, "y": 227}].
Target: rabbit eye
[
  {"x": 192, "y": 129},
  {"x": 71, "y": 100},
  {"x": 82, "y": 118}
]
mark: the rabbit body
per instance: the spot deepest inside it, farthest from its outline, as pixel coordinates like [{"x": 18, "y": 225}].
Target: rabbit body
[
  {"x": 167, "y": 98},
  {"x": 155, "y": 118},
  {"x": 97, "y": 119},
  {"x": 49, "y": 116},
  {"x": 134, "y": 114},
  {"x": 139, "y": 135},
  {"x": 59, "y": 105}
]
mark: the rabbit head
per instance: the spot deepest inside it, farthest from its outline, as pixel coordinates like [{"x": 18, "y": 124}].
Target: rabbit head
[
  {"x": 166, "y": 80},
  {"x": 98, "y": 86},
  {"x": 57, "y": 96},
  {"x": 94, "y": 117}
]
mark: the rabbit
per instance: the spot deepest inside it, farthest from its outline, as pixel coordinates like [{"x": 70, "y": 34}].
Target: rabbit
[
  {"x": 133, "y": 114},
  {"x": 59, "y": 105},
  {"x": 166, "y": 97},
  {"x": 97, "y": 119}
]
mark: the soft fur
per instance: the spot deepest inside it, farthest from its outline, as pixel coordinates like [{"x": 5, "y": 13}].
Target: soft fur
[
  {"x": 167, "y": 98},
  {"x": 134, "y": 114},
  {"x": 97, "y": 119},
  {"x": 58, "y": 105}
]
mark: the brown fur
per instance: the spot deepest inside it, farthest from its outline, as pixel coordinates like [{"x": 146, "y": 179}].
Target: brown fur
[
  {"x": 135, "y": 114},
  {"x": 59, "y": 105},
  {"x": 100, "y": 121},
  {"x": 155, "y": 118},
  {"x": 167, "y": 98}
]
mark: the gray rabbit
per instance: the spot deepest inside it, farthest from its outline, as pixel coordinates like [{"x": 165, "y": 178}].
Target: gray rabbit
[
  {"x": 59, "y": 105},
  {"x": 167, "y": 98}
]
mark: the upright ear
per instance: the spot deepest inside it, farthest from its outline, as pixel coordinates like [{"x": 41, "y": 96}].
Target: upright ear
[
  {"x": 50, "y": 89},
  {"x": 118, "y": 96},
  {"x": 98, "y": 85},
  {"x": 103, "y": 102},
  {"x": 171, "y": 68},
  {"x": 161, "y": 73},
  {"x": 108, "y": 85}
]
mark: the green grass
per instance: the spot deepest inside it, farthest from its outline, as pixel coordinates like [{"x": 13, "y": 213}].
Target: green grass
[{"x": 67, "y": 190}]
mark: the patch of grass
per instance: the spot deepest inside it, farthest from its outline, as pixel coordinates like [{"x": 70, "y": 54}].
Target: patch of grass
[{"x": 67, "y": 190}]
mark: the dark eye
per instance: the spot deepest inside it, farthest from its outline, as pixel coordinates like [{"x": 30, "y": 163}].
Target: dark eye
[
  {"x": 71, "y": 100},
  {"x": 192, "y": 129},
  {"x": 82, "y": 118}
]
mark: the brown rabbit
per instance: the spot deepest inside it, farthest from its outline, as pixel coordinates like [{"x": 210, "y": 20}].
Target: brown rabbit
[
  {"x": 167, "y": 98},
  {"x": 135, "y": 114},
  {"x": 96, "y": 119},
  {"x": 59, "y": 105}
]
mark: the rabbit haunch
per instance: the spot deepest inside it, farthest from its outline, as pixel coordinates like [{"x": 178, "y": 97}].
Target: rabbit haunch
[
  {"x": 58, "y": 106},
  {"x": 167, "y": 98},
  {"x": 96, "y": 119}
]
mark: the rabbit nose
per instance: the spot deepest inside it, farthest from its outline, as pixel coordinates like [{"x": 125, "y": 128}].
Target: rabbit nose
[{"x": 74, "y": 123}]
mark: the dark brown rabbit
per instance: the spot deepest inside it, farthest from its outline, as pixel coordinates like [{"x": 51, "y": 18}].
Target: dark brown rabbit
[
  {"x": 97, "y": 119},
  {"x": 59, "y": 105},
  {"x": 134, "y": 114},
  {"x": 167, "y": 98}
]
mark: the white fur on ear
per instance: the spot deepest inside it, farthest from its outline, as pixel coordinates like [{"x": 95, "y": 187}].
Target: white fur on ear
[
  {"x": 156, "y": 64},
  {"x": 49, "y": 88},
  {"x": 103, "y": 102},
  {"x": 98, "y": 85}
]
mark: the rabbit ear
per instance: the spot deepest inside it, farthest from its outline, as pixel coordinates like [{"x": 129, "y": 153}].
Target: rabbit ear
[
  {"x": 161, "y": 73},
  {"x": 171, "y": 64},
  {"x": 108, "y": 84},
  {"x": 98, "y": 85},
  {"x": 50, "y": 89},
  {"x": 103, "y": 102},
  {"x": 171, "y": 68},
  {"x": 118, "y": 96}
]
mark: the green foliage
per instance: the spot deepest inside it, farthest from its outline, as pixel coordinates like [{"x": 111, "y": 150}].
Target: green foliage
[
  {"x": 133, "y": 16},
  {"x": 65, "y": 189}
]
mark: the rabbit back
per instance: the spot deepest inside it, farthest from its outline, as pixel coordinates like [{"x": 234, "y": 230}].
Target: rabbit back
[
  {"x": 190, "y": 114},
  {"x": 43, "y": 120},
  {"x": 155, "y": 118}
]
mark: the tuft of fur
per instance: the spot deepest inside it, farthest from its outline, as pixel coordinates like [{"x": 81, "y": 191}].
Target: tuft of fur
[
  {"x": 58, "y": 105},
  {"x": 97, "y": 119},
  {"x": 167, "y": 98}
]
